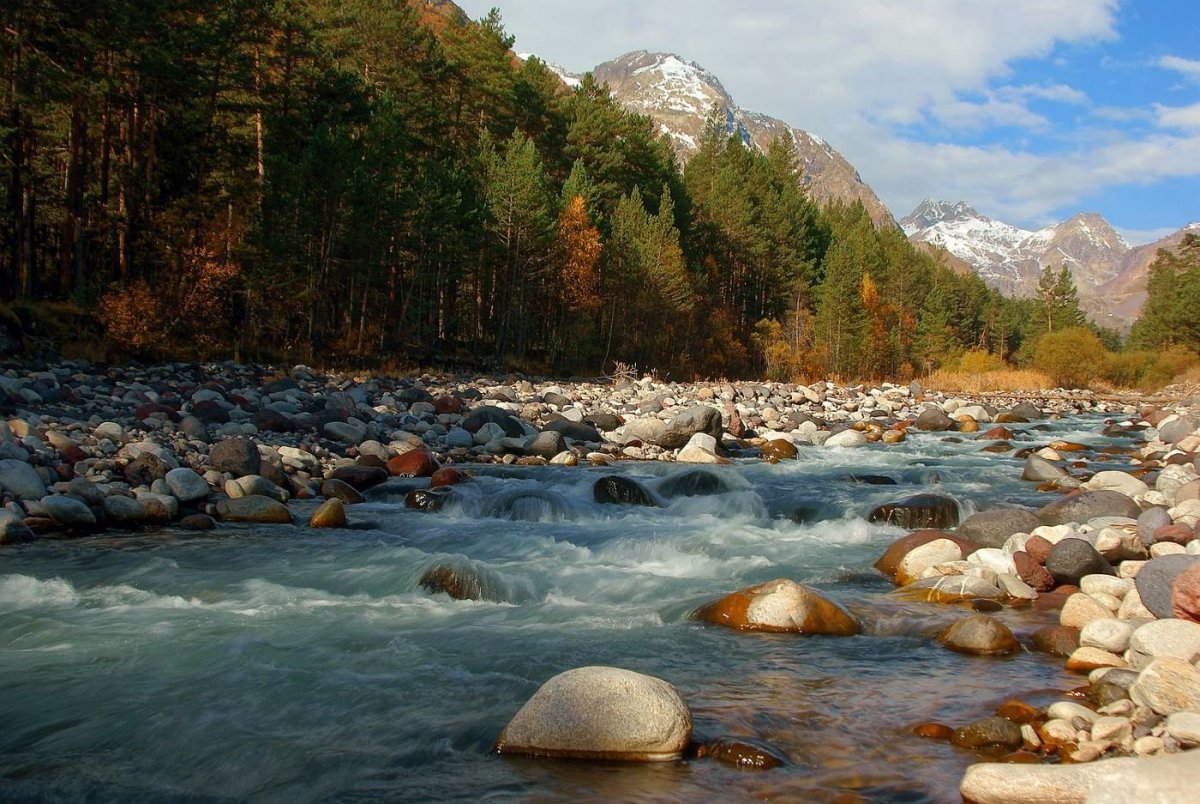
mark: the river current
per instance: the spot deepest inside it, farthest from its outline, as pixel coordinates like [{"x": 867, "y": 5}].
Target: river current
[{"x": 276, "y": 663}]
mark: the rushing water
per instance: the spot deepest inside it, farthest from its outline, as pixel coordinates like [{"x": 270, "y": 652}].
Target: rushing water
[{"x": 279, "y": 663}]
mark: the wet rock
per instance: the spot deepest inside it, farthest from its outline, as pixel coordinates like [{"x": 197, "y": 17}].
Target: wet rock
[
  {"x": 1112, "y": 781},
  {"x": 145, "y": 469},
  {"x": 603, "y": 713},
  {"x": 933, "y": 731},
  {"x": 545, "y": 444},
  {"x": 1056, "y": 640},
  {"x": 780, "y": 605},
  {"x": 693, "y": 483},
  {"x": 197, "y": 522},
  {"x": 695, "y": 419},
  {"x": 934, "y": 419},
  {"x": 701, "y": 448},
  {"x": 417, "y": 462},
  {"x": 360, "y": 477},
  {"x": 954, "y": 588},
  {"x": 330, "y": 514},
  {"x": 486, "y": 414},
  {"x": 1027, "y": 411},
  {"x": 980, "y": 635},
  {"x": 919, "y": 559},
  {"x": 1040, "y": 470},
  {"x": 1087, "y": 506},
  {"x": 621, "y": 490},
  {"x": 529, "y": 505},
  {"x": 742, "y": 752},
  {"x": 238, "y": 456},
  {"x": 121, "y": 510},
  {"x": 1155, "y": 582},
  {"x": 68, "y": 512},
  {"x": 993, "y": 528},
  {"x": 990, "y": 731},
  {"x": 1071, "y": 559},
  {"x": 779, "y": 449},
  {"x": 448, "y": 476},
  {"x": 341, "y": 490},
  {"x": 428, "y": 499},
  {"x": 889, "y": 562},
  {"x": 846, "y": 438},
  {"x": 255, "y": 508},
  {"x": 459, "y": 582},
  {"x": 918, "y": 511}
]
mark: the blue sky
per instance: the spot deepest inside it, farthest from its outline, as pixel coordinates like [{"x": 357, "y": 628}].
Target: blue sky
[{"x": 1029, "y": 110}]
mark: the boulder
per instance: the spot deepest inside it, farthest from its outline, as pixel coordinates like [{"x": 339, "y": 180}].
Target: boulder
[
  {"x": 122, "y": 510},
  {"x": 447, "y": 476},
  {"x": 1027, "y": 411},
  {"x": 21, "y": 480},
  {"x": 68, "y": 511},
  {"x": 1056, "y": 640},
  {"x": 601, "y": 713},
  {"x": 1071, "y": 559},
  {"x": 330, "y": 514},
  {"x": 918, "y": 511},
  {"x": 340, "y": 489},
  {"x": 238, "y": 456},
  {"x": 696, "y": 419},
  {"x": 1185, "y": 594},
  {"x": 980, "y": 635},
  {"x": 990, "y": 731},
  {"x": 360, "y": 477},
  {"x": 418, "y": 462},
  {"x": 145, "y": 469},
  {"x": 1172, "y": 637},
  {"x": 745, "y": 753},
  {"x": 780, "y": 605},
  {"x": 1086, "y": 506},
  {"x": 1155, "y": 582},
  {"x": 993, "y": 528},
  {"x": 694, "y": 483},
  {"x": 846, "y": 438},
  {"x": 934, "y": 419},
  {"x": 621, "y": 490},
  {"x": 1122, "y": 482},
  {"x": 545, "y": 444},
  {"x": 1176, "y": 430},
  {"x": 1149, "y": 521},
  {"x": 187, "y": 485},
  {"x": 778, "y": 449},
  {"x": 1040, "y": 470},
  {"x": 486, "y": 414},
  {"x": 701, "y": 448},
  {"x": 889, "y": 562},
  {"x": 458, "y": 581},
  {"x": 1168, "y": 685},
  {"x": 255, "y": 508}
]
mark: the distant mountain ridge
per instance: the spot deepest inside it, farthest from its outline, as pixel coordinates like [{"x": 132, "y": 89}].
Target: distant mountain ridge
[
  {"x": 679, "y": 95},
  {"x": 1109, "y": 273}
]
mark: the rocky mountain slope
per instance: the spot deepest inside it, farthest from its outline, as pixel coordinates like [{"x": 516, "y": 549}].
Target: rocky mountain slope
[
  {"x": 680, "y": 95},
  {"x": 1110, "y": 274}
]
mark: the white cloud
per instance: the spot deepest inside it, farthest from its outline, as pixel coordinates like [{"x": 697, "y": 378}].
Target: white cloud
[
  {"x": 1180, "y": 117},
  {"x": 1188, "y": 68},
  {"x": 1140, "y": 237}
]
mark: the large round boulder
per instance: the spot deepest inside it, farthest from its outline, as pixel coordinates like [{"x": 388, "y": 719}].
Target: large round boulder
[
  {"x": 254, "y": 508},
  {"x": 993, "y": 528},
  {"x": 1087, "y": 506},
  {"x": 621, "y": 490},
  {"x": 1071, "y": 559},
  {"x": 1155, "y": 582},
  {"x": 696, "y": 419},
  {"x": 934, "y": 419},
  {"x": 418, "y": 462},
  {"x": 889, "y": 563},
  {"x": 605, "y": 713},
  {"x": 238, "y": 456},
  {"x": 780, "y": 605}
]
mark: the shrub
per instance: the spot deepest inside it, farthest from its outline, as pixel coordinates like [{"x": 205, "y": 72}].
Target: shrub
[
  {"x": 978, "y": 361},
  {"x": 1071, "y": 357}
]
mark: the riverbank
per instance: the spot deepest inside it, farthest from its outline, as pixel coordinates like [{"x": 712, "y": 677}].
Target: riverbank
[{"x": 136, "y": 450}]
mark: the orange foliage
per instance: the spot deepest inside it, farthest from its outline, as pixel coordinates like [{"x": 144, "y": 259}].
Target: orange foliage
[
  {"x": 579, "y": 250},
  {"x": 131, "y": 315}
]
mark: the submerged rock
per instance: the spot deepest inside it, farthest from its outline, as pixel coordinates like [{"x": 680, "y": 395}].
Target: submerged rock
[
  {"x": 605, "y": 713},
  {"x": 918, "y": 511},
  {"x": 621, "y": 490},
  {"x": 742, "y": 752},
  {"x": 330, "y": 514},
  {"x": 780, "y": 605},
  {"x": 981, "y": 635},
  {"x": 254, "y": 508}
]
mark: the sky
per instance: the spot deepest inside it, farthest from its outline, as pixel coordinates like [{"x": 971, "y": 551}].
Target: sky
[{"x": 1029, "y": 110}]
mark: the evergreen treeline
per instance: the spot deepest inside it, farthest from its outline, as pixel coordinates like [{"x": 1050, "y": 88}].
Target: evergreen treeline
[{"x": 342, "y": 180}]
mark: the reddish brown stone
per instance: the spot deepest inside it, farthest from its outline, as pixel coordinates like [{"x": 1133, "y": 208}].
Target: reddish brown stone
[
  {"x": 889, "y": 562},
  {"x": 1177, "y": 534},
  {"x": 1053, "y": 600},
  {"x": 1056, "y": 640},
  {"x": 779, "y": 606},
  {"x": 447, "y": 476},
  {"x": 147, "y": 410},
  {"x": 417, "y": 462},
  {"x": 1185, "y": 594},
  {"x": 447, "y": 404},
  {"x": 1032, "y": 572},
  {"x": 1019, "y": 712},
  {"x": 995, "y": 434},
  {"x": 1038, "y": 549},
  {"x": 933, "y": 731}
]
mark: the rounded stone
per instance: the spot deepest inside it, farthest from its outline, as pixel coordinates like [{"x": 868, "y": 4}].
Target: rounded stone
[
  {"x": 68, "y": 511},
  {"x": 779, "y": 449},
  {"x": 980, "y": 635},
  {"x": 742, "y": 752},
  {"x": 1087, "y": 506},
  {"x": 187, "y": 485},
  {"x": 989, "y": 731},
  {"x": 1081, "y": 609},
  {"x": 780, "y": 605},
  {"x": 238, "y": 456},
  {"x": 918, "y": 511},
  {"x": 417, "y": 462},
  {"x": 1168, "y": 685},
  {"x": 1185, "y": 594},
  {"x": 993, "y": 528},
  {"x": 340, "y": 489},
  {"x": 1071, "y": 559},
  {"x": 254, "y": 508},
  {"x": 447, "y": 476},
  {"x": 889, "y": 562},
  {"x": 605, "y": 713},
  {"x": 1108, "y": 634},
  {"x": 621, "y": 490},
  {"x": 330, "y": 514},
  {"x": 1155, "y": 581},
  {"x": 930, "y": 554},
  {"x": 1179, "y": 639}
]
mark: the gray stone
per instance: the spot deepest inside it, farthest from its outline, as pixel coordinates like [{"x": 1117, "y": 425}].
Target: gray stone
[
  {"x": 696, "y": 419},
  {"x": 846, "y": 438},
  {"x": 255, "y": 508},
  {"x": 1087, "y": 506},
  {"x": 1154, "y": 581},
  {"x": 1071, "y": 559},
  {"x": 646, "y": 430},
  {"x": 980, "y": 635},
  {"x": 1149, "y": 521},
  {"x": 1040, "y": 470},
  {"x": 187, "y": 485},
  {"x": 21, "y": 480},
  {"x": 546, "y": 444},
  {"x": 1176, "y": 638},
  {"x": 601, "y": 713},
  {"x": 1168, "y": 685},
  {"x": 1175, "y": 431},
  {"x": 238, "y": 456},
  {"x": 993, "y": 528},
  {"x": 122, "y": 510},
  {"x": 1184, "y": 727},
  {"x": 346, "y": 433},
  {"x": 68, "y": 511},
  {"x": 254, "y": 485},
  {"x": 934, "y": 419}
]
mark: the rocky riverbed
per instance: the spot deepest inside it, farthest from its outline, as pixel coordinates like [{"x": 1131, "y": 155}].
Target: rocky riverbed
[{"x": 86, "y": 450}]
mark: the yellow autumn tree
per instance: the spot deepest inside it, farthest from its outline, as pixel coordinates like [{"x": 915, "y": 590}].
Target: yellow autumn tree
[{"x": 578, "y": 252}]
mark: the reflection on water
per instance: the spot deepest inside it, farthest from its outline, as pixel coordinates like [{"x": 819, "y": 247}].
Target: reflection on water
[{"x": 284, "y": 664}]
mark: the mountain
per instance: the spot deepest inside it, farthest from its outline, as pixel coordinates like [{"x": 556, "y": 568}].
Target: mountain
[
  {"x": 680, "y": 95},
  {"x": 1109, "y": 273}
]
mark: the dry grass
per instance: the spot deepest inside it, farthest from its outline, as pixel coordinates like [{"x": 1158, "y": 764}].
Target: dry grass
[{"x": 1006, "y": 380}]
